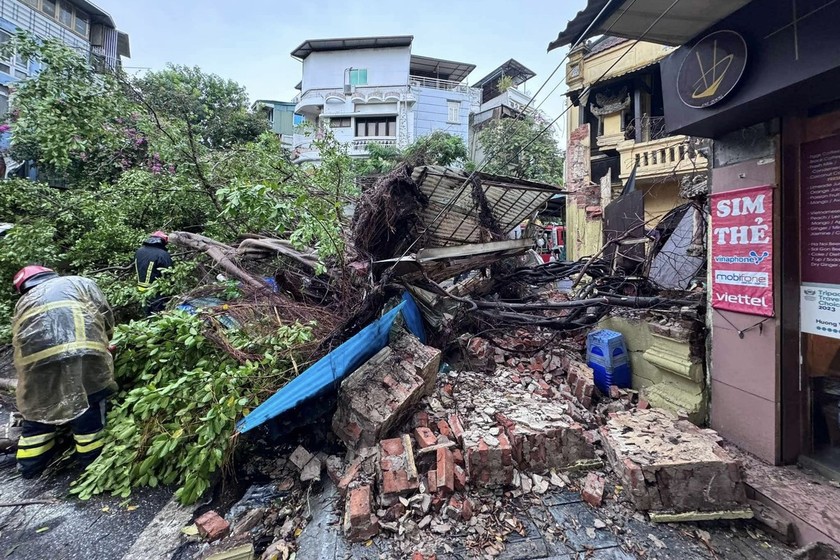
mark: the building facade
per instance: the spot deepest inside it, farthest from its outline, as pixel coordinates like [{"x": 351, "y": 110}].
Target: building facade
[
  {"x": 281, "y": 118},
  {"x": 616, "y": 126},
  {"x": 759, "y": 79},
  {"x": 373, "y": 90}
]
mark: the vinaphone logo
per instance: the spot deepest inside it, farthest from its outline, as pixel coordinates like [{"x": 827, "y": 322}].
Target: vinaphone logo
[{"x": 712, "y": 69}]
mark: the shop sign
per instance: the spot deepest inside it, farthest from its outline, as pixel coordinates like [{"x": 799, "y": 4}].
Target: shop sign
[
  {"x": 820, "y": 309},
  {"x": 712, "y": 69},
  {"x": 742, "y": 251}
]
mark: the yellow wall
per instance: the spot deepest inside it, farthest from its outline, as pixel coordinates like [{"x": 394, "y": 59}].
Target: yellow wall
[
  {"x": 660, "y": 198},
  {"x": 583, "y": 237}
]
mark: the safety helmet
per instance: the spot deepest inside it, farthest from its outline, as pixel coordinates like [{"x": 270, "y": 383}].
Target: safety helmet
[
  {"x": 161, "y": 235},
  {"x": 30, "y": 276}
]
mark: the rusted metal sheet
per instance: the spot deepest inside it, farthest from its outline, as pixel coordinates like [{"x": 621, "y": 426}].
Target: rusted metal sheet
[{"x": 453, "y": 215}]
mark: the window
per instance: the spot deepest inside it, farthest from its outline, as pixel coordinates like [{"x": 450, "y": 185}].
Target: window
[
  {"x": 82, "y": 23},
  {"x": 48, "y": 7},
  {"x": 358, "y": 76},
  {"x": 65, "y": 15},
  {"x": 33, "y": 3},
  {"x": 270, "y": 114},
  {"x": 4, "y": 101},
  {"x": 376, "y": 126},
  {"x": 297, "y": 120},
  {"x": 340, "y": 122},
  {"x": 454, "y": 112}
]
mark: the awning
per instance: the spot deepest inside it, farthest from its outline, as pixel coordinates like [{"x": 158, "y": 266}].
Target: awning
[
  {"x": 631, "y": 18},
  {"x": 428, "y": 67},
  {"x": 350, "y": 43}
]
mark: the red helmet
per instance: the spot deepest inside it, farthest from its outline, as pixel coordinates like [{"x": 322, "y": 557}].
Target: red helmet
[
  {"x": 161, "y": 235},
  {"x": 27, "y": 273}
]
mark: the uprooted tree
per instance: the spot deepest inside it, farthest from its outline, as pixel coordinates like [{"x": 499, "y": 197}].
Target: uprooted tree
[{"x": 177, "y": 149}]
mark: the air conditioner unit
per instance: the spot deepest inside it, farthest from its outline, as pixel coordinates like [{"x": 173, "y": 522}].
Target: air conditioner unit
[{"x": 348, "y": 89}]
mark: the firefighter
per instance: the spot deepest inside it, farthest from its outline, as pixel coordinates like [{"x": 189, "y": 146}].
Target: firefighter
[
  {"x": 151, "y": 258},
  {"x": 60, "y": 334}
]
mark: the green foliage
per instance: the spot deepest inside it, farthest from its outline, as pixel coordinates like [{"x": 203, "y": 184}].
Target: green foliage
[
  {"x": 513, "y": 148},
  {"x": 437, "y": 148},
  {"x": 214, "y": 110},
  {"x": 504, "y": 83},
  {"x": 181, "y": 398},
  {"x": 67, "y": 115}
]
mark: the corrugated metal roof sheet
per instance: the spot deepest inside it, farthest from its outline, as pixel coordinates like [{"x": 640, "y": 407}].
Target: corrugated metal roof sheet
[{"x": 452, "y": 216}]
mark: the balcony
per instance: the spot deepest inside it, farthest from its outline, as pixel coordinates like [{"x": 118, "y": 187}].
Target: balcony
[
  {"x": 659, "y": 157},
  {"x": 358, "y": 94},
  {"x": 304, "y": 150},
  {"x": 434, "y": 83}
]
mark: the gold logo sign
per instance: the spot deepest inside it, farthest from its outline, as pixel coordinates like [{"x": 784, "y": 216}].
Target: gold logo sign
[{"x": 712, "y": 69}]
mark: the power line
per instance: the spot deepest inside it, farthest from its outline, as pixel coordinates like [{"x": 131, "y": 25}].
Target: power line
[{"x": 586, "y": 90}]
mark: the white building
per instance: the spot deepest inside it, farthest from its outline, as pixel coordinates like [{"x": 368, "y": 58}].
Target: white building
[
  {"x": 502, "y": 102},
  {"x": 374, "y": 90}
]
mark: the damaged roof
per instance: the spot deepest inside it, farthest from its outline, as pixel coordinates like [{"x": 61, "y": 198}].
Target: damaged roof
[
  {"x": 452, "y": 216},
  {"x": 350, "y": 43}
]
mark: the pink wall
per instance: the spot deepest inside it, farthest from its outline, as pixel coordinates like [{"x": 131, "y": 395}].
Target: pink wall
[{"x": 745, "y": 402}]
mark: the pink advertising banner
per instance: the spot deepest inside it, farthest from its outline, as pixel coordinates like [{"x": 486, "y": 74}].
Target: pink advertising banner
[{"x": 742, "y": 251}]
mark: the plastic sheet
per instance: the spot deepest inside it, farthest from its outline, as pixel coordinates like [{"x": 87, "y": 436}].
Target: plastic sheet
[
  {"x": 326, "y": 374},
  {"x": 60, "y": 333}
]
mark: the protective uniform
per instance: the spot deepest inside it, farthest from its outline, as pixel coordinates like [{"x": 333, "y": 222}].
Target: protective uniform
[
  {"x": 151, "y": 258},
  {"x": 60, "y": 334}
]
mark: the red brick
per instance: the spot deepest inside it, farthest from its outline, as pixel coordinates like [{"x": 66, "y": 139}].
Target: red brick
[
  {"x": 460, "y": 479},
  {"x": 432, "y": 479},
  {"x": 445, "y": 470},
  {"x": 467, "y": 510},
  {"x": 516, "y": 379},
  {"x": 212, "y": 526},
  {"x": 457, "y": 428},
  {"x": 593, "y": 489},
  {"x": 358, "y": 504},
  {"x": 359, "y": 523},
  {"x": 443, "y": 428},
  {"x": 424, "y": 437},
  {"x": 643, "y": 404},
  {"x": 393, "y": 447},
  {"x": 397, "y": 483},
  {"x": 615, "y": 392},
  {"x": 448, "y": 389},
  {"x": 349, "y": 476},
  {"x": 458, "y": 456},
  {"x": 394, "y": 512}
]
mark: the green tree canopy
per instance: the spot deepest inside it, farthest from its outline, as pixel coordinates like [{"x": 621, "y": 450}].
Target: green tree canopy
[{"x": 519, "y": 148}]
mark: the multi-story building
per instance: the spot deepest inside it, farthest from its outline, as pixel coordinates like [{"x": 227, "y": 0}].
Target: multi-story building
[
  {"x": 616, "y": 125},
  {"x": 500, "y": 98},
  {"x": 80, "y": 24},
  {"x": 374, "y": 90},
  {"x": 281, "y": 118}
]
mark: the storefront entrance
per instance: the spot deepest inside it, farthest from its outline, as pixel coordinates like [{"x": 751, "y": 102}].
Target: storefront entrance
[{"x": 819, "y": 298}]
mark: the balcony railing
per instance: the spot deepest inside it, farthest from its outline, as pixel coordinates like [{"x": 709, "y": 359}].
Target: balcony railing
[
  {"x": 660, "y": 157},
  {"x": 361, "y": 144},
  {"x": 651, "y": 128},
  {"x": 435, "y": 83}
]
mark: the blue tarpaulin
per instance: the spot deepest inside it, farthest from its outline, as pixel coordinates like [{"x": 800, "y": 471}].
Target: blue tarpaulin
[{"x": 329, "y": 371}]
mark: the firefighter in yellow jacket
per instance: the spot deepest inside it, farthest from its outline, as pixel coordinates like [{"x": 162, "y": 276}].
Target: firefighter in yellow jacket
[{"x": 60, "y": 333}]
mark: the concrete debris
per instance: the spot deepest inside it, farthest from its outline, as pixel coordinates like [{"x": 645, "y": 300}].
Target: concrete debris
[
  {"x": 300, "y": 457},
  {"x": 229, "y": 550},
  {"x": 384, "y": 391},
  {"x": 667, "y": 464},
  {"x": 312, "y": 471},
  {"x": 212, "y": 526},
  {"x": 248, "y": 521}
]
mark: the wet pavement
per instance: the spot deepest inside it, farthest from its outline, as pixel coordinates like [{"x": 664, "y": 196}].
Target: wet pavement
[{"x": 558, "y": 526}]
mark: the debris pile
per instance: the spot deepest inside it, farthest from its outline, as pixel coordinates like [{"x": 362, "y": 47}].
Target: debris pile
[{"x": 671, "y": 465}]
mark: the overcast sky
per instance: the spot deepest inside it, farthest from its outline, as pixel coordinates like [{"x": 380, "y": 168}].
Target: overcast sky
[{"x": 249, "y": 41}]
